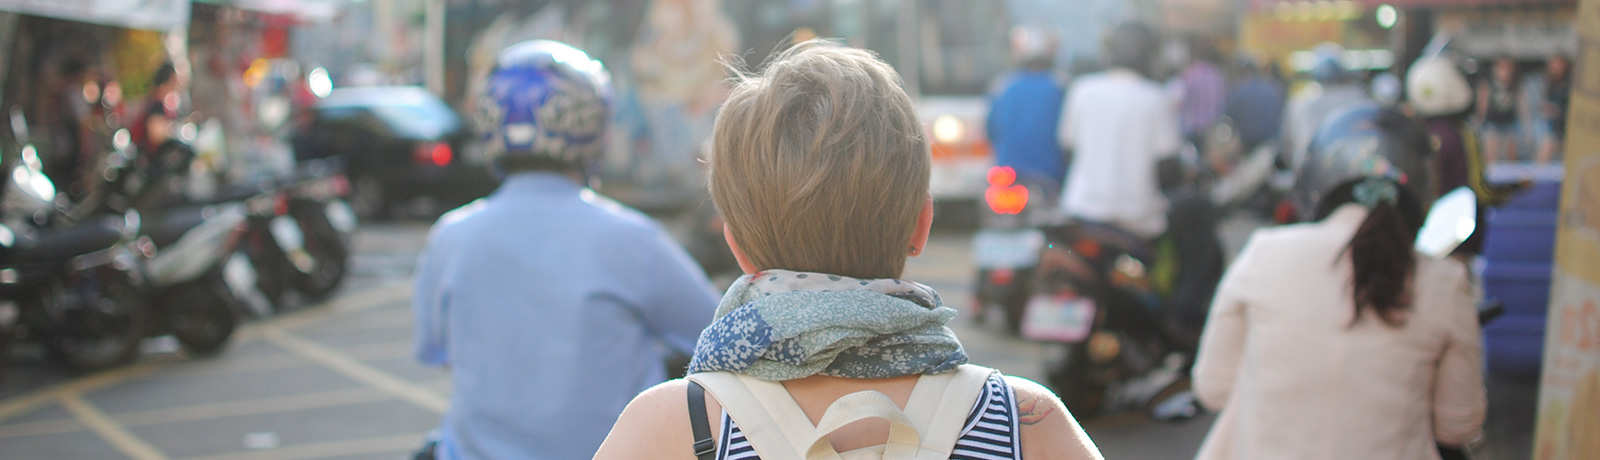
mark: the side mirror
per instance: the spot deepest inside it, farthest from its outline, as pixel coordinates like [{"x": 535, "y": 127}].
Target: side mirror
[
  {"x": 19, "y": 125},
  {"x": 1450, "y": 222},
  {"x": 1180, "y": 407}
]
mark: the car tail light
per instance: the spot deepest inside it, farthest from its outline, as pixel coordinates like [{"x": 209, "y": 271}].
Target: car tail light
[
  {"x": 1003, "y": 195},
  {"x": 434, "y": 153}
]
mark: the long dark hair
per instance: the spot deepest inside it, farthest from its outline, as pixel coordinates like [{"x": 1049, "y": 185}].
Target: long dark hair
[{"x": 1381, "y": 255}]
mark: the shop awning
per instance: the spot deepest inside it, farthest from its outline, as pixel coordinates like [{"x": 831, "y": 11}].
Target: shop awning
[
  {"x": 133, "y": 14},
  {"x": 299, "y": 10}
]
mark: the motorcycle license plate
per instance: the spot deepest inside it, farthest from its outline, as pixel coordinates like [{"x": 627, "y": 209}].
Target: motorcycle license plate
[
  {"x": 1066, "y": 318},
  {"x": 1007, "y": 248},
  {"x": 341, "y": 217},
  {"x": 286, "y": 231}
]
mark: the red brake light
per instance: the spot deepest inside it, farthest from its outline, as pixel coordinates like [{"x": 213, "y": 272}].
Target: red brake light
[
  {"x": 1002, "y": 176},
  {"x": 435, "y": 153}
]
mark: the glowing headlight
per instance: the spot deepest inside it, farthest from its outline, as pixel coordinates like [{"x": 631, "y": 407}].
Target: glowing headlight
[{"x": 948, "y": 130}]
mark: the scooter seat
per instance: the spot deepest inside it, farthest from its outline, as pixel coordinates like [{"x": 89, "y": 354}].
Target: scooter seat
[
  {"x": 1107, "y": 235},
  {"x": 90, "y": 235},
  {"x": 233, "y": 194},
  {"x": 168, "y": 225}
]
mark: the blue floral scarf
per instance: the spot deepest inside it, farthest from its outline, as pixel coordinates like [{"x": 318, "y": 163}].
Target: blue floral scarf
[{"x": 783, "y": 325}]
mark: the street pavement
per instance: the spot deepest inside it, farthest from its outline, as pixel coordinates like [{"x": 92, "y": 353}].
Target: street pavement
[{"x": 336, "y": 381}]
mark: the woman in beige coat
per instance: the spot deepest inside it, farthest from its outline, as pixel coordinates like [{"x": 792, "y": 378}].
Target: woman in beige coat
[{"x": 1306, "y": 361}]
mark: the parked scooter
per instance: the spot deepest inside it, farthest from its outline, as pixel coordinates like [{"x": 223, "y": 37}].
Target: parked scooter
[
  {"x": 78, "y": 290},
  {"x": 1009, "y": 240},
  {"x": 316, "y": 202},
  {"x": 201, "y": 276}
]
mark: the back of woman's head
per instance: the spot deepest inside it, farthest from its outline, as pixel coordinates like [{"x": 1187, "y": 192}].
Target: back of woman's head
[
  {"x": 1381, "y": 255},
  {"x": 819, "y": 164}
]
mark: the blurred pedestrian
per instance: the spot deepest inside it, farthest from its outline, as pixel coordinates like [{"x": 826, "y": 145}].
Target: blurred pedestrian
[
  {"x": 549, "y": 304},
  {"x": 1557, "y": 95},
  {"x": 154, "y": 123},
  {"x": 1026, "y": 109},
  {"x": 72, "y": 99},
  {"x": 1333, "y": 339},
  {"x": 1204, "y": 92},
  {"x": 1255, "y": 103},
  {"x": 821, "y": 169},
  {"x": 1497, "y": 111}
]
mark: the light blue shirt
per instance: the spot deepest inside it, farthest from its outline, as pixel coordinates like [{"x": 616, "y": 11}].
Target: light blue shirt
[{"x": 549, "y": 304}]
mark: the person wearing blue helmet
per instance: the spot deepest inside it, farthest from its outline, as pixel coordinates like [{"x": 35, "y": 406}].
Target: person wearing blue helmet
[
  {"x": 548, "y": 303},
  {"x": 1335, "y": 87}
]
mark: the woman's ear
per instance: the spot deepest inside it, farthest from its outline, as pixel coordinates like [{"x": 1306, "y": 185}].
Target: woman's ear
[
  {"x": 919, "y": 235},
  {"x": 738, "y": 254}
]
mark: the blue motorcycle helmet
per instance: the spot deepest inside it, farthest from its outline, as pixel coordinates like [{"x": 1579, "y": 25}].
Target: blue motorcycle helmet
[{"x": 546, "y": 107}]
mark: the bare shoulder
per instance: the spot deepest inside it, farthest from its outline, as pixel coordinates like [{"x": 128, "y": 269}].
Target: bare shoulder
[
  {"x": 1047, "y": 430},
  {"x": 654, "y": 425}
]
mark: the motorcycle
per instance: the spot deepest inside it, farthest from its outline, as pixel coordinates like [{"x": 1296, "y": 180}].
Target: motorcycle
[
  {"x": 1124, "y": 314},
  {"x": 200, "y": 275},
  {"x": 316, "y": 203},
  {"x": 78, "y": 290},
  {"x": 1007, "y": 245}
]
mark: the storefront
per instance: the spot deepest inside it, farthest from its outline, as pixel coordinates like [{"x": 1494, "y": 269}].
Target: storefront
[{"x": 76, "y": 67}]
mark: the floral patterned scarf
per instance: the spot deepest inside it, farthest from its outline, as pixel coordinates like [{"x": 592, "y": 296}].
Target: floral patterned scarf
[{"x": 783, "y": 325}]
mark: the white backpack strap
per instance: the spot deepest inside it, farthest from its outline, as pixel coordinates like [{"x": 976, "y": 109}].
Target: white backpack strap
[
  {"x": 940, "y": 404},
  {"x": 928, "y": 428},
  {"x": 765, "y": 412},
  {"x": 904, "y": 441}
]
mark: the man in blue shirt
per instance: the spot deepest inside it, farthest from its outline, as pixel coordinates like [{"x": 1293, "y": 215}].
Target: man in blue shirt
[
  {"x": 548, "y": 303},
  {"x": 1026, "y": 110},
  {"x": 1255, "y": 104}
]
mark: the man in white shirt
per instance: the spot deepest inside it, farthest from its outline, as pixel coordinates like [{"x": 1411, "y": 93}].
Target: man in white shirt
[{"x": 1121, "y": 126}]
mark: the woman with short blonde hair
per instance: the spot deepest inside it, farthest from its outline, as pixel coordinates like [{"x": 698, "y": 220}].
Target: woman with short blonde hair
[{"x": 820, "y": 169}]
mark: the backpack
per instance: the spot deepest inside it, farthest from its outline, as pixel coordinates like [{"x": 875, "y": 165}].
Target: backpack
[{"x": 775, "y": 425}]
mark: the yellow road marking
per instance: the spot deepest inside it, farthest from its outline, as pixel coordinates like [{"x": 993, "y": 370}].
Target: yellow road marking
[
  {"x": 27, "y": 403},
  {"x": 206, "y": 411},
  {"x": 361, "y": 301},
  {"x": 344, "y": 364},
  {"x": 114, "y": 433},
  {"x": 388, "y": 444}
]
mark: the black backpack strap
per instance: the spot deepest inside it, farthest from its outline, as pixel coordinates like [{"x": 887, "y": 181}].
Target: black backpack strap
[{"x": 704, "y": 447}]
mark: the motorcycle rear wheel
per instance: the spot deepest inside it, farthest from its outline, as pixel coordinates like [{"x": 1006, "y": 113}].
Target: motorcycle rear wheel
[
  {"x": 102, "y": 334},
  {"x": 330, "y": 257},
  {"x": 203, "y": 317}
]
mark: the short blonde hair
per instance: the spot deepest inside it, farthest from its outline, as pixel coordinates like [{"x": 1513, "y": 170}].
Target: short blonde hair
[{"x": 819, "y": 163}]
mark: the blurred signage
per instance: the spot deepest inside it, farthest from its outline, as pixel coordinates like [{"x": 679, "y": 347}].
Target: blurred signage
[
  {"x": 133, "y": 14},
  {"x": 1531, "y": 34},
  {"x": 1569, "y": 423}
]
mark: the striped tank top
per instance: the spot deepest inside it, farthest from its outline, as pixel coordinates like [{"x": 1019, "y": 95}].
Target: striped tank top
[{"x": 990, "y": 432}]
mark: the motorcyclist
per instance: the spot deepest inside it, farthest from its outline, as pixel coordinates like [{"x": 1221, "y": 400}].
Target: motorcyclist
[
  {"x": 1026, "y": 109},
  {"x": 1123, "y": 131},
  {"x": 1333, "y": 338},
  {"x": 1334, "y": 88},
  {"x": 1439, "y": 92},
  {"x": 548, "y": 303}
]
